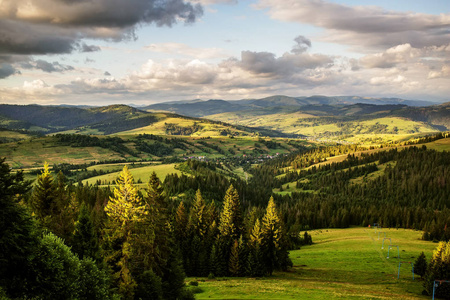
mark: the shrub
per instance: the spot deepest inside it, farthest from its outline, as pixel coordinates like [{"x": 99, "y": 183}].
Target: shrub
[{"x": 193, "y": 283}]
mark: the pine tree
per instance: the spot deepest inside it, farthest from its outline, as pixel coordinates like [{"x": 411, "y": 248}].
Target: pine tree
[
  {"x": 18, "y": 237},
  {"x": 233, "y": 264},
  {"x": 124, "y": 210},
  {"x": 181, "y": 222},
  {"x": 420, "y": 265},
  {"x": 439, "y": 268},
  {"x": 230, "y": 226},
  {"x": 197, "y": 219},
  {"x": 255, "y": 262},
  {"x": 43, "y": 199},
  {"x": 126, "y": 206},
  {"x": 274, "y": 244},
  {"x": 62, "y": 221},
  {"x": 85, "y": 240}
]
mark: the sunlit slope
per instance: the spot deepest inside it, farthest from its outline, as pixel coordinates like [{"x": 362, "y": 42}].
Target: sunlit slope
[
  {"x": 341, "y": 264},
  {"x": 371, "y": 130}
]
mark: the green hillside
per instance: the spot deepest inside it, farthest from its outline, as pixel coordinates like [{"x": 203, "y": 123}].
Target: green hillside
[{"x": 341, "y": 264}]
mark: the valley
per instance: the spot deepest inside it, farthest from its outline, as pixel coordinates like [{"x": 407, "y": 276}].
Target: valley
[{"x": 320, "y": 172}]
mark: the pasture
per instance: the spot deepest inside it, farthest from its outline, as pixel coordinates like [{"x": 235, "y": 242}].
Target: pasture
[{"x": 341, "y": 264}]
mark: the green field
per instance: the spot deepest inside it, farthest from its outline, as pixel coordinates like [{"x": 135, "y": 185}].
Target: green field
[
  {"x": 34, "y": 152},
  {"x": 373, "y": 131},
  {"x": 142, "y": 174},
  {"x": 341, "y": 264}
]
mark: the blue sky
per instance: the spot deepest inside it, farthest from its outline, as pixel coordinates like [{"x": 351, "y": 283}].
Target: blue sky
[{"x": 102, "y": 52}]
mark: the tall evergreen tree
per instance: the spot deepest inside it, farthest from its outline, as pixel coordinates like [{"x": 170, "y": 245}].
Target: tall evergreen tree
[
  {"x": 230, "y": 226},
  {"x": 197, "y": 219},
  {"x": 43, "y": 199},
  {"x": 439, "y": 269},
  {"x": 274, "y": 243},
  {"x": 233, "y": 264},
  {"x": 124, "y": 210},
  {"x": 85, "y": 239},
  {"x": 18, "y": 237}
]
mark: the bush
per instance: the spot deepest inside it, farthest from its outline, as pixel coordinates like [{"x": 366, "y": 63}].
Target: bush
[
  {"x": 186, "y": 294},
  {"x": 194, "y": 283},
  {"x": 196, "y": 290}
]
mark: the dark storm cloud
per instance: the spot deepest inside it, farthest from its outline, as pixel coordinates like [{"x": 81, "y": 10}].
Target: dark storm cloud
[{"x": 57, "y": 26}]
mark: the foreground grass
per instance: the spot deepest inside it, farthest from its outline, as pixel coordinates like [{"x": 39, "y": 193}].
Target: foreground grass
[{"x": 341, "y": 264}]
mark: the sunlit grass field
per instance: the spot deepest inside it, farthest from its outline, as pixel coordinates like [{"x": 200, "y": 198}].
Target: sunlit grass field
[
  {"x": 341, "y": 264},
  {"x": 139, "y": 174}
]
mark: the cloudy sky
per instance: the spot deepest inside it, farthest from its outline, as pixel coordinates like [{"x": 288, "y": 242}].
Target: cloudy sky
[{"x": 101, "y": 52}]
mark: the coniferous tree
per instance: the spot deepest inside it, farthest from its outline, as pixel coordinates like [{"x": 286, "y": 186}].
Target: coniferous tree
[
  {"x": 233, "y": 264},
  {"x": 230, "y": 226},
  {"x": 274, "y": 240},
  {"x": 43, "y": 199},
  {"x": 124, "y": 210},
  {"x": 255, "y": 262},
  {"x": 62, "y": 220},
  {"x": 18, "y": 237},
  {"x": 197, "y": 219},
  {"x": 85, "y": 239},
  {"x": 420, "y": 265},
  {"x": 439, "y": 269}
]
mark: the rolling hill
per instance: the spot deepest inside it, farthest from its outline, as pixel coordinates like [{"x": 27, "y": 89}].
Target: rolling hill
[{"x": 115, "y": 119}]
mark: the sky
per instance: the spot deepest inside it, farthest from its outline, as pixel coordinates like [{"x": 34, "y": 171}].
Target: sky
[{"x": 100, "y": 52}]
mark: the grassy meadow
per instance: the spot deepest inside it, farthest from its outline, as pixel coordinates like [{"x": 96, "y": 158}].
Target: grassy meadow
[
  {"x": 341, "y": 264},
  {"x": 141, "y": 174},
  {"x": 374, "y": 131}
]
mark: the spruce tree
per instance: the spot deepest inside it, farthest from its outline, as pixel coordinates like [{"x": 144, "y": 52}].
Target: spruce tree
[
  {"x": 233, "y": 264},
  {"x": 438, "y": 269},
  {"x": 420, "y": 265},
  {"x": 230, "y": 226},
  {"x": 124, "y": 210},
  {"x": 197, "y": 219},
  {"x": 274, "y": 241},
  {"x": 85, "y": 239},
  {"x": 18, "y": 237},
  {"x": 125, "y": 207},
  {"x": 43, "y": 199}
]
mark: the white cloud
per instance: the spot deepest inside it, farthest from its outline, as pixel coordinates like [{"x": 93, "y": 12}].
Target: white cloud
[
  {"x": 363, "y": 26},
  {"x": 443, "y": 73},
  {"x": 187, "y": 51}
]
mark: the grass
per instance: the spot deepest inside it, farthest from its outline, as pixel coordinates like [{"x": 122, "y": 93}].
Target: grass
[
  {"x": 341, "y": 264},
  {"x": 388, "y": 129},
  {"x": 142, "y": 174},
  {"x": 440, "y": 145},
  {"x": 35, "y": 151}
]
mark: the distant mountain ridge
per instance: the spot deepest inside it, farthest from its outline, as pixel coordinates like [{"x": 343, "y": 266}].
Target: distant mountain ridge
[{"x": 198, "y": 108}]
